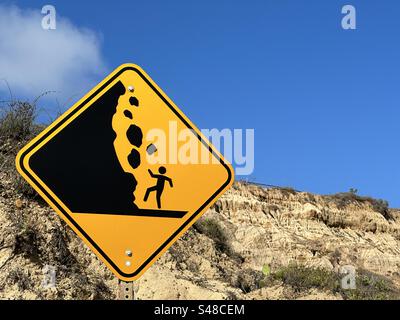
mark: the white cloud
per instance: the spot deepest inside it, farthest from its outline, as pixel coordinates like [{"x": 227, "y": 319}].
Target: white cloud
[{"x": 33, "y": 60}]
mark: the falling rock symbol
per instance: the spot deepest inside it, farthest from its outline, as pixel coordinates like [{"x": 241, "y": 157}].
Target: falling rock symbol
[
  {"x": 129, "y": 138},
  {"x": 135, "y": 135}
]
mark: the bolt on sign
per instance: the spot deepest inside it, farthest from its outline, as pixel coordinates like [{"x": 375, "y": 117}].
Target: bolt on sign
[{"x": 102, "y": 167}]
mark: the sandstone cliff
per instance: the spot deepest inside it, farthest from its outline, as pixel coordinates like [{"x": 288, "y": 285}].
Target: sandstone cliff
[{"x": 255, "y": 243}]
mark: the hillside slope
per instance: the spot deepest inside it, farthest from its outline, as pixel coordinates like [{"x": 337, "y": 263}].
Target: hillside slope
[{"x": 299, "y": 240}]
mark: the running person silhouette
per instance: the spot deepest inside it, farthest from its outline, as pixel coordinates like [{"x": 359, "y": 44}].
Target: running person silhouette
[{"x": 159, "y": 187}]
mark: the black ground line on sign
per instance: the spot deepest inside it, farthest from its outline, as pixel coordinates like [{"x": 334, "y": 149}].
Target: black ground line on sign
[{"x": 144, "y": 213}]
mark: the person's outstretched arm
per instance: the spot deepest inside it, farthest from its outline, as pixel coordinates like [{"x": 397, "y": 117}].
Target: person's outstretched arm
[
  {"x": 170, "y": 182},
  {"x": 151, "y": 173}
]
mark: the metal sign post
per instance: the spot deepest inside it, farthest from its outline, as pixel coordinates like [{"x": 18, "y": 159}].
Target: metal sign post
[{"x": 125, "y": 290}]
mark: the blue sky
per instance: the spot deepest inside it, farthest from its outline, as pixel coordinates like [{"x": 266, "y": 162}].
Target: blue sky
[{"x": 324, "y": 102}]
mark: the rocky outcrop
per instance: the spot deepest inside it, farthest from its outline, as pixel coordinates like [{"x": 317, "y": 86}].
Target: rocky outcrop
[
  {"x": 277, "y": 227},
  {"x": 248, "y": 230}
]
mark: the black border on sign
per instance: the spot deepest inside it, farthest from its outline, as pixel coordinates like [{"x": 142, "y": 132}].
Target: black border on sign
[{"x": 24, "y": 154}]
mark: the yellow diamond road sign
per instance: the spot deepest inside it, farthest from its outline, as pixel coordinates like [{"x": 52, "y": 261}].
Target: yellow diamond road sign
[{"x": 127, "y": 170}]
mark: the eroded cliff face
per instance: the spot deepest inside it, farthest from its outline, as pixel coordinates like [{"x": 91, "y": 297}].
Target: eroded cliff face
[
  {"x": 222, "y": 257},
  {"x": 279, "y": 226}
]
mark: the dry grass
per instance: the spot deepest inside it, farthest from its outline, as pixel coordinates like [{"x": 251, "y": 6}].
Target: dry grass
[
  {"x": 17, "y": 127},
  {"x": 344, "y": 199},
  {"x": 17, "y": 121}
]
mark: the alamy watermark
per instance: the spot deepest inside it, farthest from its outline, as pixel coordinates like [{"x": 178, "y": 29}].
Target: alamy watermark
[
  {"x": 49, "y": 277},
  {"x": 349, "y": 21},
  {"x": 185, "y": 146},
  {"x": 49, "y": 21},
  {"x": 348, "y": 281}
]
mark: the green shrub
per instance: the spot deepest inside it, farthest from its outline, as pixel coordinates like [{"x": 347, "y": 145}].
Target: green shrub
[
  {"x": 266, "y": 270},
  {"x": 302, "y": 278},
  {"x": 20, "y": 277},
  {"x": 287, "y": 191},
  {"x": 370, "y": 286},
  {"x": 353, "y": 190},
  {"x": 344, "y": 199},
  {"x": 249, "y": 280},
  {"x": 213, "y": 230}
]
